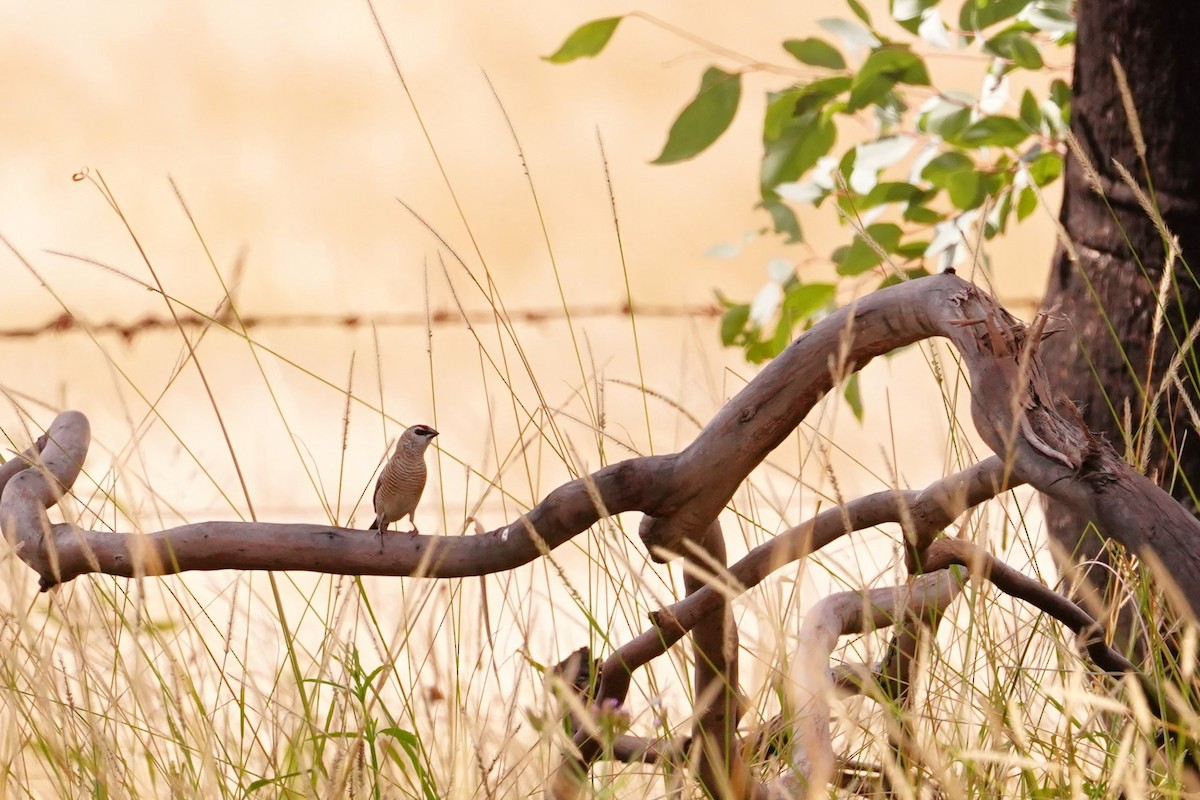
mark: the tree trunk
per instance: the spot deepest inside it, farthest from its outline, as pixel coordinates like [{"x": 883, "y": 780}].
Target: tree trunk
[{"x": 1109, "y": 360}]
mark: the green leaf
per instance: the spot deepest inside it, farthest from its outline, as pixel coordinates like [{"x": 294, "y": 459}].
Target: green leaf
[
  {"x": 859, "y": 11},
  {"x": 816, "y": 52},
  {"x": 780, "y": 109},
  {"x": 1026, "y": 203},
  {"x": 884, "y": 68},
  {"x": 1045, "y": 168},
  {"x": 914, "y": 249},
  {"x": 939, "y": 170},
  {"x": 869, "y": 91},
  {"x": 1017, "y": 48},
  {"x": 804, "y": 140},
  {"x": 966, "y": 189},
  {"x": 853, "y": 395},
  {"x": 1031, "y": 115},
  {"x": 922, "y": 215},
  {"x": 705, "y": 118},
  {"x": 994, "y": 131},
  {"x": 733, "y": 323},
  {"x": 784, "y": 220},
  {"x": 586, "y": 41},
  {"x": 861, "y": 256},
  {"x": 946, "y": 118},
  {"x": 979, "y": 14},
  {"x": 799, "y": 100},
  {"x": 1058, "y": 21},
  {"x": 1060, "y": 95},
  {"x": 805, "y": 299},
  {"x": 889, "y": 192},
  {"x": 997, "y": 220}
]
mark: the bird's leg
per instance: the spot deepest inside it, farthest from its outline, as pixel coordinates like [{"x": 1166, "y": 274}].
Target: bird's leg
[
  {"x": 379, "y": 533},
  {"x": 412, "y": 520}
]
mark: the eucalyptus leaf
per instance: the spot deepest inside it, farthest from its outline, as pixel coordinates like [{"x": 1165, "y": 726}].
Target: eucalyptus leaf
[
  {"x": 899, "y": 63},
  {"x": 734, "y": 322},
  {"x": 939, "y": 170},
  {"x": 859, "y": 11},
  {"x": 966, "y": 189},
  {"x": 1049, "y": 18},
  {"x": 861, "y": 256},
  {"x": 704, "y": 119},
  {"x": 806, "y": 192},
  {"x": 932, "y": 29},
  {"x": 815, "y": 52},
  {"x": 997, "y": 131},
  {"x": 804, "y": 140},
  {"x": 853, "y": 394},
  {"x": 945, "y": 118},
  {"x": 903, "y": 10},
  {"x": 1017, "y": 48},
  {"x": 922, "y": 215},
  {"x": 852, "y": 34},
  {"x": 1046, "y": 168},
  {"x": 1030, "y": 114},
  {"x": 891, "y": 192},
  {"x": 784, "y": 221},
  {"x": 805, "y": 299},
  {"x": 586, "y": 41},
  {"x": 979, "y": 14},
  {"x": 883, "y": 153},
  {"x": 1026, "y": 203}
]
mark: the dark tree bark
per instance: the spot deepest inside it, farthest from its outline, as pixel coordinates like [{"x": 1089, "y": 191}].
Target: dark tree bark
[{"x": 1107, "y": 282}]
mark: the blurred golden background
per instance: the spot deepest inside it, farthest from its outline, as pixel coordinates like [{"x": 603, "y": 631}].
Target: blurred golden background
[{"x": 291, "y": 140}]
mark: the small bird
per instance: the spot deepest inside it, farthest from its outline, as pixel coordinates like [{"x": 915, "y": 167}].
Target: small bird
[{"x": 403, "y": 479}]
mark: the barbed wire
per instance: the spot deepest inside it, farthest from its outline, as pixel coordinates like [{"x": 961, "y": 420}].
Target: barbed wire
[
  {"x": 129, "y": 330},
  {"x": 66, "y": 322}
]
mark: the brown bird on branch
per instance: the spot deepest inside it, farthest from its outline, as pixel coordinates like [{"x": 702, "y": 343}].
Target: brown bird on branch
[{"x": 403, "y": 479}]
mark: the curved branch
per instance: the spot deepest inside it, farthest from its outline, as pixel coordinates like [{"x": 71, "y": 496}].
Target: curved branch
[
  {"x": 1090, "y": 633},
  {"x": 812, "y": 683},
  {"x": 945, "y": 552},
  {"x": 50, "y": 469},
  {"x": 925, "y": 512},
  {"x": 928, "y": 511},
  {"x": 1044, "y": 443},
  {"x": 22, "y": 461},
  {"x": 68, "y": 552}
]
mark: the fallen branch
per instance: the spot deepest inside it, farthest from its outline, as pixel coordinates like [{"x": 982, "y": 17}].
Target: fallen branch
[
  {"x": 923, "y": 512},
  {"x": 679, "y": 494},
  {"x": 811, "y": 685},
  {"x": 1089, "y": 632},
  {"x": 1037, "y": 439}
]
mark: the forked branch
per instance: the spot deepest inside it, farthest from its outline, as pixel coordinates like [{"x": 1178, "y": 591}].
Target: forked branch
[
  {"x": 679, "y": 494},
  {"x": 1037, "y": 438}
]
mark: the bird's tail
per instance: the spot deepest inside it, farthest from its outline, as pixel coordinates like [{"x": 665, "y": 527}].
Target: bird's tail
[{"x": 377, "y": 524}]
